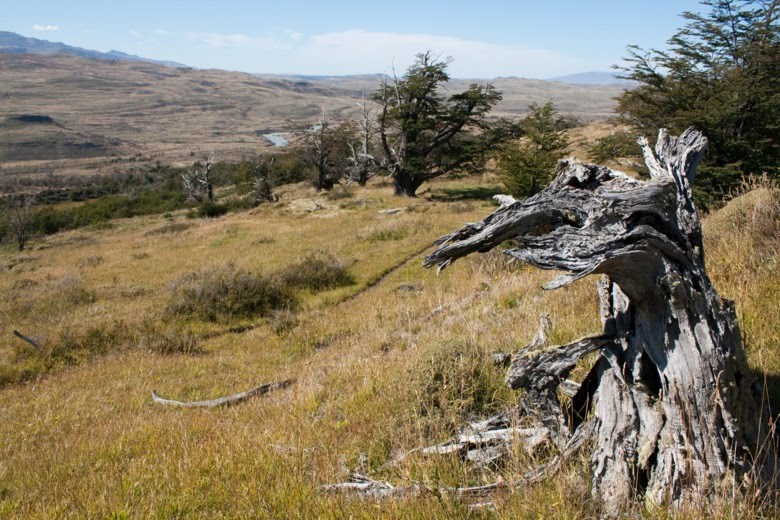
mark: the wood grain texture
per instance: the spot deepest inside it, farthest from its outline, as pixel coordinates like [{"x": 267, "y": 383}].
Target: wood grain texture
[{"x": 670, "y": 397}]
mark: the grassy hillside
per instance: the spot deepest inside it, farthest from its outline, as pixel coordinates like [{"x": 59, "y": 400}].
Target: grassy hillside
[{"x": 394, "y": 360}]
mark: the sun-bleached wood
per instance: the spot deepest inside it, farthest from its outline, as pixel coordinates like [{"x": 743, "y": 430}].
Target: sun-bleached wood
[
  {"x": 222, "y": 401},
  {"x": 670, "y": 398}
]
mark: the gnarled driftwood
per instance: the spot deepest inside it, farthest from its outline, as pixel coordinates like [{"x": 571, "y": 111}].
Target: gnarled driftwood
[
  {"x": 669, "y": 399},
  {"x": 222, "y": 401}
]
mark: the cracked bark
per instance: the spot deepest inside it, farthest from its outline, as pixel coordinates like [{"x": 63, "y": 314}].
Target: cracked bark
[{"x": 669, "y": 398}]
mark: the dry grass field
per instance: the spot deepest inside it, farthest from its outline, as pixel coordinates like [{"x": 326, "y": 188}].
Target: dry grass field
[{"x": 395, "y": 360}]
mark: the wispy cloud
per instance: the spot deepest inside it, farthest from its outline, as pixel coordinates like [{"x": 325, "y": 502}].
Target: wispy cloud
[
  {"x": 359, "y": 51},
  {"x": 222, "y": 40},
  {"x": 378, "y": 50},
  {"x": 37, "y": 27}
]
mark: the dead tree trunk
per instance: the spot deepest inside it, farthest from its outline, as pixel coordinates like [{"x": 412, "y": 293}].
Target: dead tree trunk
[{"x": 670, "y": 397}]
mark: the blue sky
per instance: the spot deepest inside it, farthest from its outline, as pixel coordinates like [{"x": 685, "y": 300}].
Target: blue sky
[{"x": 485, "y": 38}]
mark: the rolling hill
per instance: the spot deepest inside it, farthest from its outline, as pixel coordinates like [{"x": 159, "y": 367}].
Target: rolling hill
[{"x": 136, "y": 109}]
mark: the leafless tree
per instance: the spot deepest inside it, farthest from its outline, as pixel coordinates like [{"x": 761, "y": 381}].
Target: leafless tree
[
  {"x": 326, "y": 147},
  {"x": 18, "y": 215},
  {"x": 261, "y": 185},
  {"x": 362, "y": 163},
  {"x": 197, "y": 182}
]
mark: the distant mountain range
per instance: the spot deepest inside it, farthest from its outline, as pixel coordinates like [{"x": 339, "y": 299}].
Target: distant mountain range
[{"x": 12, "y": 43}]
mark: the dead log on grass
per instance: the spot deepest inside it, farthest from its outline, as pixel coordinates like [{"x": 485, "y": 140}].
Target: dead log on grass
[
  {"x": 27, "y": 339},
  {"x": 669, "y": 399},
  {"x": 223, "y": 401}
]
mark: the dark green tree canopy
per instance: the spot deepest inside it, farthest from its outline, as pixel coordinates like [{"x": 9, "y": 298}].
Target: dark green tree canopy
[
  {"x": 720, "y": 75},
  {"x": 425, "y": 133},
  {"x": 528, "y": 165}
]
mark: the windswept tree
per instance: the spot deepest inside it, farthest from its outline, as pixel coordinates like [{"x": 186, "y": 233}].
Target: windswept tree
[
  {"x": 424, "y": 133},
  {"x": 720, "y": 75}
]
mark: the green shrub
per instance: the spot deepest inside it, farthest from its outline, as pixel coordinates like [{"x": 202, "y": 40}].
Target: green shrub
[
  {"x": 317, "y": 271},
  {"x": 287, "y": 169},
  {"x": 614, "y": 146},
  {"x": 211, "y": 210},
  {"x": 528, "y": 166},
  {"x": 223, "y": 293}
]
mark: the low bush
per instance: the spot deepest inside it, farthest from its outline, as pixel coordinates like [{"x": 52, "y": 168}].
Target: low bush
[
  {"x": 72, "y": 347},
  {"x": 222, "y": 293},
  {"x": 167, "y": 338},
  {"x": 317, "y": 271},
  {"x": 211, "y": 210}
]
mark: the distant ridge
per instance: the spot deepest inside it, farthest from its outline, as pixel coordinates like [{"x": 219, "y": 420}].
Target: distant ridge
[
  {"x": 13, "y": 43},
  {"x": 593, "y": 78}
]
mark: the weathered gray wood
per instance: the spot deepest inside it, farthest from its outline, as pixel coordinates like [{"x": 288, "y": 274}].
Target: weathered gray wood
[
  {"x": 669, "y": 398},
  {"x": 222, "y": 401}
]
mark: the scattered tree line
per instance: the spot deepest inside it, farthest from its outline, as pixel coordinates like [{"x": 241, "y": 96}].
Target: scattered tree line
[{"x": 719, "y": 75}]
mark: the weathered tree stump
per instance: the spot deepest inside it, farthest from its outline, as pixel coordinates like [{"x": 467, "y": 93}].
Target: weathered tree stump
[{"x": 669, "y": 399}]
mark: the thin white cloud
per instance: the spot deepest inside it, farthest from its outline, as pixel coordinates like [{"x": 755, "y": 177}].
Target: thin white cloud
[
  {"x": 222, "y": 41},
  {"x": 372, "y": 51},
  {"x": 37, "y": 27},
  {"x": 359, "y": 51}
]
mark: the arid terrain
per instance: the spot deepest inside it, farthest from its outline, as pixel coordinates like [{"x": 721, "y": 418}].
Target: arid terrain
[{"x": 104, "y": 116}]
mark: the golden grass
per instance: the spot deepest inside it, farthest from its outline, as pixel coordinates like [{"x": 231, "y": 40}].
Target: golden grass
[{"x": 377, "y": 371}]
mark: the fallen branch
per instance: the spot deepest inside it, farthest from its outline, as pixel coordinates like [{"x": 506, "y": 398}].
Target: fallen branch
[
  {"x": 368, "y": 488},
  {"x": 27, "y": 339},
  {"x": 222, "y": 401}
]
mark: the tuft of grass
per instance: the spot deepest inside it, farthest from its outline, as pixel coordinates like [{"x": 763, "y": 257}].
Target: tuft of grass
[
  {"x": 90, "y": 261},
  {"x": 457, "y": 381},
  {"x": 228, "y": 292},
  {"x": 70, "y": 291},
  {"x": 389, "y": 232}
]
